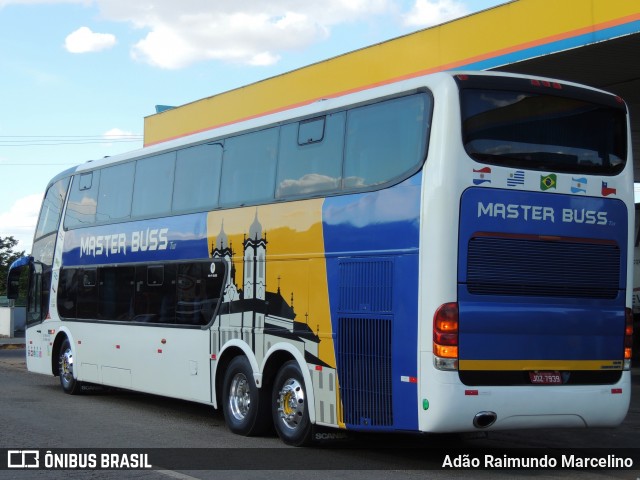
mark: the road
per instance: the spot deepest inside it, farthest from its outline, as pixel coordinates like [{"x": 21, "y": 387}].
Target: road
[{"x": 36, "y": 414}]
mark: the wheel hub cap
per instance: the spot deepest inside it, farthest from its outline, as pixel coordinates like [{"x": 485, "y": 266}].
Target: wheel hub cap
[
  {"x": 291, "y": 403},
  {"x": 239, "y": 397},
  {"x": 66, "y": 366}
]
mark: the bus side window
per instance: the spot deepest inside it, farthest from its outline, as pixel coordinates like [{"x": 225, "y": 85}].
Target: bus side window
[
  {"x": 310, "y": 156},
  {"x": 197, "y": 179},
  {"x": 83, "y": 200},
  {"x": 199, "y": 291},
  {"x": 116, "y": 293},
  {"x": 249, "y": 168},
  {"x": 153, "y": 185},
  {"x": 116, "y": 191},
  {"x": 385, "y": 140},
  {"x": 51, "y": 210},
  {"x": 67, "y": 293},
  {"x": 155, "y": 293},
  {"x": 87, "y": 286}
]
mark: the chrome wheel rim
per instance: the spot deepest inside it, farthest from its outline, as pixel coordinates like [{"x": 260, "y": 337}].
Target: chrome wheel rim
[
  {"x": 239, "y": 397},
  {"x": 66, "y": 367},
  {"x": 291, "y": 404}
]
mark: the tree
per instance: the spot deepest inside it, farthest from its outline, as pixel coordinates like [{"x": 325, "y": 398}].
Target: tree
[{"x": 7, "y": 256}]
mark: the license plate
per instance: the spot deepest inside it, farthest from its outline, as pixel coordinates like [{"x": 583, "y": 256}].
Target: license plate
[{"x": 546, "y": 378}]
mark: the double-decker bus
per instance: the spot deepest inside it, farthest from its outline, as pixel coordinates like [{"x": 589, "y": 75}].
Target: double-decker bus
[{"x": 446, "y": 253}]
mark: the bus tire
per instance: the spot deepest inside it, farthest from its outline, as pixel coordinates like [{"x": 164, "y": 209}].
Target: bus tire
[
  {"x": 290, "y": 409},
  {"x": 245, "y": 406},
  {"x": 68, "y": 382}
]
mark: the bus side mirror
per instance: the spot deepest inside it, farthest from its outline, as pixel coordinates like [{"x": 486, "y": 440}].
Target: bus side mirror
[{"x": 13, "y": 280}]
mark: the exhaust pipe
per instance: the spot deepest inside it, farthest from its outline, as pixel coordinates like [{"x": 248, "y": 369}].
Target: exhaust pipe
[{"x": 484, "y": 419}]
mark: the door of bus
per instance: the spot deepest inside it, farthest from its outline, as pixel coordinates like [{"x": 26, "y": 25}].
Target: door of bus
[{"x": 38, "y": 349}]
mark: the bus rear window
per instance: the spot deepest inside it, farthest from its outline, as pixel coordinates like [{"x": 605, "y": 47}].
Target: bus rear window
[{"x": 543, "y": 132}]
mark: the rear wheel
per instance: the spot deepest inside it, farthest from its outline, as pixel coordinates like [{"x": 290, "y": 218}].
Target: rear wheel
[
  {"x": 65, "y": 369},
  {"x": 245, "y": 406},
  {"x": 290, "y": 409}
]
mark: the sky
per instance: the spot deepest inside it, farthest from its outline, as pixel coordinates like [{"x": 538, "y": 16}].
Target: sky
[{"x": 77, "y": 77}]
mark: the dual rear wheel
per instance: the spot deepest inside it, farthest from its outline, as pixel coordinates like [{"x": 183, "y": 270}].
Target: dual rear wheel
[{"x": 249, "y": 410}]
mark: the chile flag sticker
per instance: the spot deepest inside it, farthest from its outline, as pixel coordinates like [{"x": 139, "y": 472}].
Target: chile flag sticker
[{"x": 606, "y": 190}]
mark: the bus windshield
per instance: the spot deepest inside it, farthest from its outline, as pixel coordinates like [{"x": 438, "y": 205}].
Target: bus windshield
[{"x": 543, "y": 132}]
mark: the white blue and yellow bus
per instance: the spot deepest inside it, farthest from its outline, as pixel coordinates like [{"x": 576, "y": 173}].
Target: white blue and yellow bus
[{"x": 446, "y": 253}]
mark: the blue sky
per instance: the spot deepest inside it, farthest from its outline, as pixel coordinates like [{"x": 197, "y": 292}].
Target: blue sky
[{"x": 78, "y": 77}]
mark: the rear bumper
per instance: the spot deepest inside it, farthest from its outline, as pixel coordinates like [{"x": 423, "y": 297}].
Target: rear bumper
[{"x": 453, "y": 406}]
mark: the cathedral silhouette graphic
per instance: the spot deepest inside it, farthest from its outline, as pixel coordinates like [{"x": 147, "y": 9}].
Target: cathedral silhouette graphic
[{"x": 253, "y": 313}]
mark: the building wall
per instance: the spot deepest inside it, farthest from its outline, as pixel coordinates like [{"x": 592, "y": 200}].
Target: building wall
[{"x": 505, "y": 34}]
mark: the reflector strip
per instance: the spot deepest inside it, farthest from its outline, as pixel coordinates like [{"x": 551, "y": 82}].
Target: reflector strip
[
  {"x": 533, "y": 365},
  {"x": 616, "y": 391},
  {"x": 407, "y": 379},
  {"x": 472, "y": 393}
]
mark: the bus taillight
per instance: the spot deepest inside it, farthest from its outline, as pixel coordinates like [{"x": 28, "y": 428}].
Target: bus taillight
[
  {"x": 445, "y": 337},
  {"x": 628, "y": 338}
]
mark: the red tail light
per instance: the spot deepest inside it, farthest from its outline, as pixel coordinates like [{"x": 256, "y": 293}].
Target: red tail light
[
  {"x": 445, "y": 331},
  {"x": 628, "y": 334},
  {"x": 546, "y": 84}
]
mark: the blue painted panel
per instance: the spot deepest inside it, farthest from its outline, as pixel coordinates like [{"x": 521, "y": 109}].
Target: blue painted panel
[
  {"x": 536, "y": 317},
  {"x": 557, "y": 46},
  {"x": 170, "y": 238},
  {"x": 374, "y": 230},
  {"x": 500, "y": 328}
]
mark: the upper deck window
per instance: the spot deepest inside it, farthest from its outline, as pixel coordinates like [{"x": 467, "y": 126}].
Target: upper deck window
[
  {"x": 153, "y": 185},
  {"x": 116, "y": 191},
  {"x": 385, "y": 140},
  {"x": 310, "y": 156},
  {"x": 83, "y": 200},
  {"x": 249, "y": 168},
  {"x": 52, "y": 208},
  {"x": 543, "y": 131}
]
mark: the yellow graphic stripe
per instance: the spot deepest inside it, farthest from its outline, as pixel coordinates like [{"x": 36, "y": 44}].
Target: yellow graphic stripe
[{"x": 533, "y": 365}]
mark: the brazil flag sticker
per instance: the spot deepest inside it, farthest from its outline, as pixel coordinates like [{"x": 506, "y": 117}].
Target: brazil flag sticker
[{"x": 548, "y": 181}]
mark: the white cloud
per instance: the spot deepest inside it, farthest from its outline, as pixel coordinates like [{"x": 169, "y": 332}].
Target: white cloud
[
  {"x": 120, "y": 136},
  {"x": 20, "y": 221},
  {"x": 117, "y": 132},
  {"x": 252, "y": 32},
  {"x": 426, "y": 13},
  {"x": 83, "y": 40}
]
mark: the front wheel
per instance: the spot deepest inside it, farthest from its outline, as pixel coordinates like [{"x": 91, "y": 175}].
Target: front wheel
[
  {"x": 65, "y": 369},
  {"x": 290, "y": 409},
  {"x": 245, "y": 406}
]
